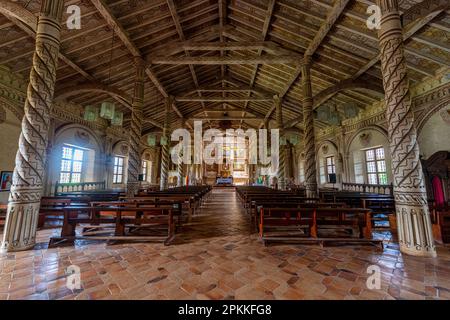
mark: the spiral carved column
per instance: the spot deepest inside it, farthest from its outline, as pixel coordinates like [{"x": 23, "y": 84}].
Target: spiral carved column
[
  {"x": 165, "y": 156},
  {"x": 28, "y": 180},
  {"x": 267, "y": 176},
  {"x": 309, "y": 139},
  {"x": 413, "y": 218},
  {"x": 134, "y": 159},
  {"x": 181, "y": 166},
  {"x": 281, "y": 173}
]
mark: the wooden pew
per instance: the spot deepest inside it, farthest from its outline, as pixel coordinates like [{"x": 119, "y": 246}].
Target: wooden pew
[
  {"x": 189, "y": 203},
  {"x": 383, "y": 206},
  {"x": 293, "y": 219},
  {"x": 264, "y": 203},
  {"x": 313, "y": 221},
  {"x": 48, "y": 203},
  {"x": 121, "y": 217},
  {"x": 175, "y": 205}
]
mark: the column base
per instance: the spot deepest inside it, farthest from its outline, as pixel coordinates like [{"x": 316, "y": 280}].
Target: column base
[
  {"x": 19, "y": 232},
  {"x": 132, "y": 189},
  {"x": 10, "y": 248},
  {"x": 417, "y": 253}
]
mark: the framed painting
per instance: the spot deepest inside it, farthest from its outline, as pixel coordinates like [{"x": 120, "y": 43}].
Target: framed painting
[{"x": 6, "y": 180}]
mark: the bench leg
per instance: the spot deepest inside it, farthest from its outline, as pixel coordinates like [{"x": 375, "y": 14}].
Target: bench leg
[
  {"x": 68, "y": 229},
  {"x": 171, "y": 231},
  {"x": 41, "y": 220}
]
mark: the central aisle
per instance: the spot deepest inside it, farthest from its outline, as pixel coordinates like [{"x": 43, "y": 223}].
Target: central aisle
[{"x": 222, "y": 214}]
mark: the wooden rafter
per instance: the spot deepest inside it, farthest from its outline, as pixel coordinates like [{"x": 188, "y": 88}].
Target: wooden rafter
[
  {"x": 176, "y": 20},
  {"x": 226, "y": 60},
  {"x": 325, "y": 28},
  {"x": 265, "y": 30},
  {"x": 113, "y": 23}
]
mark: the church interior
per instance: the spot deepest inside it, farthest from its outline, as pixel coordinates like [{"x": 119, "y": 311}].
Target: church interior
[{"x": 225, "y": 149}]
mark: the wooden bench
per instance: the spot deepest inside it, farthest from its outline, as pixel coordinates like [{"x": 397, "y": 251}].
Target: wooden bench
[
  {"x": 305, "y": 224},
  {"x": 189, "y": 202},
  {"x": 46, "y": 204},
  {"x": 121, "y": 217},
  {"x": 176, "y": 206},
  {"x": 258, "y": 205}
]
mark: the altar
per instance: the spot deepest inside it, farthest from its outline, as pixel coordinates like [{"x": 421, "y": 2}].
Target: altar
[{"x": 224, "y": 181}]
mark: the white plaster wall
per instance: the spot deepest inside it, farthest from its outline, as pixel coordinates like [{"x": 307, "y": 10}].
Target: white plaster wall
[
  {"x": 321, "y": 156},
  {"x": 356, "y": 151},
  {"x": 9, "y": 141},
  {"x": 435, "y": 135}
]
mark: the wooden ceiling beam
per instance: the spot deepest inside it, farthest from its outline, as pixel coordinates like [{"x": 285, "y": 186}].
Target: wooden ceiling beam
[
  {"x": 27, "y": 22},
  {"x": 409, "y": 31},
  {"x": 265, "y": 31},
  {"x": 268, "y": 46},
  {"x": 325, "y": 28},
  {"x": 227, "y": 60},
  {"x": 222, "y": 99},
  {"x": 327, "y": 25},
  {"x": 113, "y": 23},
  {"x": 176, "y": 20},
  {"x": 220, "y": 118}
]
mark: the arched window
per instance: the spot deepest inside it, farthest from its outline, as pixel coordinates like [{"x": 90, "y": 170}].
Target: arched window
[{"x": 71, "y": 164}]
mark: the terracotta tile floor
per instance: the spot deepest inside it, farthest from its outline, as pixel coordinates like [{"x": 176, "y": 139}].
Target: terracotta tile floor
[{"x": 217, "y": 257}]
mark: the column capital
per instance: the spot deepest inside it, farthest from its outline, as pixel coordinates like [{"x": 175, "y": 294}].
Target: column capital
[
  {"x": 140, "y": 69},
  {"x": 52, "y": 9},
  {"x": 139, "y": 62},
  {"x": 307, "y": 61},
  {"x": 388, "y": 5}
]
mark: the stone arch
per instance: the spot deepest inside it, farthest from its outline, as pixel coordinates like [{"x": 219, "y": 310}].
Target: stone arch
[
  {"x": 148, "y": 154},
  {"x": 377, "y": 128},
  {"x": 121, "y": 148},
  {"x": 81, "y": 136},
  {"x": 323, "y": 142},
  {"x": 15, "y": 109},
  {"x": 61, "y": 130},
  {"x": 433, "y": 110}
]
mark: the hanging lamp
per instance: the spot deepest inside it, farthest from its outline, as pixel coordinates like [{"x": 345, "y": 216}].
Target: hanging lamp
[{"x": 90, "y": 113}]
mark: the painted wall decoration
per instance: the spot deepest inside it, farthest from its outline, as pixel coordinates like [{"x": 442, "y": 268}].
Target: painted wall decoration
[
  {"x": 82, "y": 137},
  {"x": 365, "y": 138},
  {"x": 6, "y": 180},
  {"x": 445, "y": 115}
]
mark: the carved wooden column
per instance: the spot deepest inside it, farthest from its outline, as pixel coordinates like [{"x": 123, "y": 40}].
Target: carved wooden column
[
  {"x": 267, "y": 176},
  {"x": 109, "y": 161},
  {"x": 281, "y": 173},
  {"x": 49, "y": 159},
  {"x": 165, "y": 152},
  {"x": 181, "y": 166},
  {"x": 134, "y": 159},
  {"x": 28, "y": 180},
  {"x": 413, "y": 218},
  {"x": 309, "y": 139}
]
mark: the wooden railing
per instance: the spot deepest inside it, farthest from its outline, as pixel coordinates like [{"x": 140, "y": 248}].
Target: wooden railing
[
  {"x": 83, "y": 186},
  {"x": 369, "y": 188}
]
